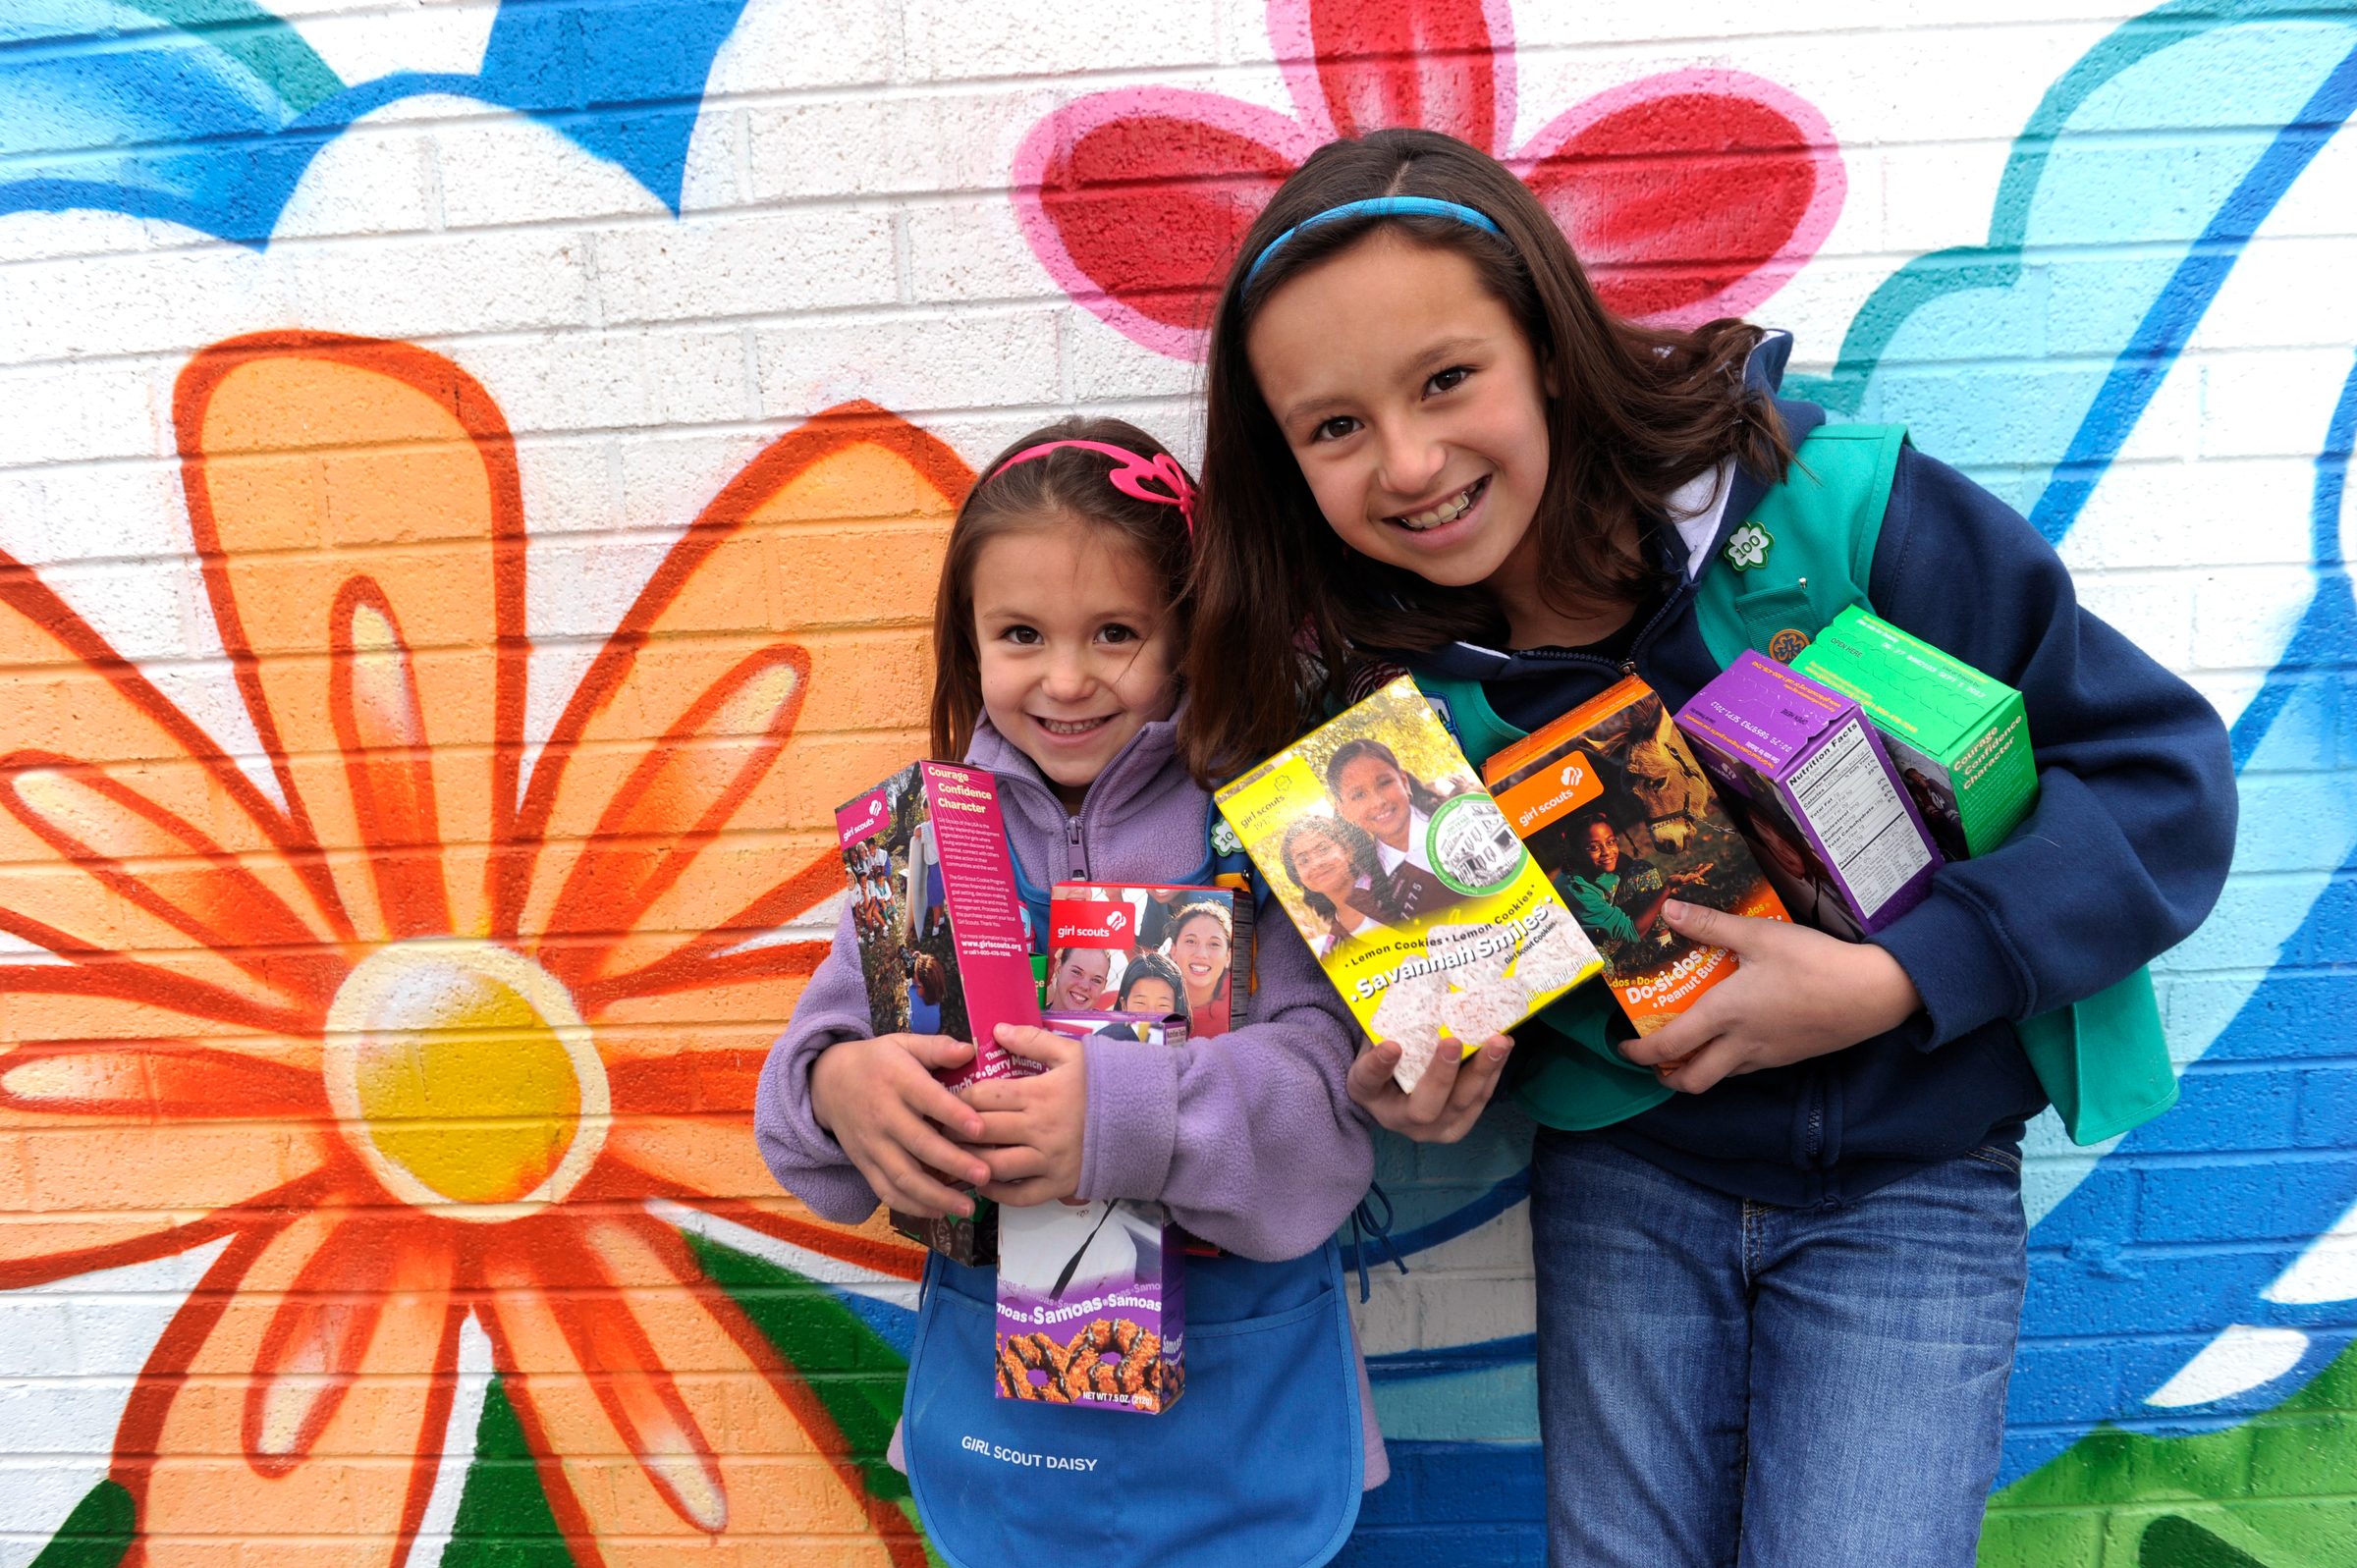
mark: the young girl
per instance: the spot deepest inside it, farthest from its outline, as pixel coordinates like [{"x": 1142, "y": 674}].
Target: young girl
[
  {"x": 1058, "y": 634},
  {"x": 1152, "y": 984},
  {"x": 1077, "y": 977},
  {"x": 1778, "y": 1303},
  {"x": 1201, "y": 941},
  {"x": 1334, "y": 866},
  {"x": 1391, "y": 805}
]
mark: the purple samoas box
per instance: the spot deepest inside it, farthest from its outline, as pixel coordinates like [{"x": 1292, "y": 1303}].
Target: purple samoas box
[
  {"x": 1810, "y": 786},
  {"x": 1092, "y": 1296}
]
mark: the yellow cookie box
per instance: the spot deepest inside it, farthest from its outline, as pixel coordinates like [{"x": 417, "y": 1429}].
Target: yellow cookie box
[{"x": 1405, "y": 880}]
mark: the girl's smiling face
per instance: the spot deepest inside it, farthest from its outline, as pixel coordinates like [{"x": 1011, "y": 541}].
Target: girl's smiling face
[
  {"x": 1199, "y": 948},
  {"x": 1081, "y": 979},
  {"x": 1604, "y": 847},
  {"x": 1322, "y": 866},
  {"x": 1414, "y": 403},
  {"x": 1069, "y": 625},
  {"x": 1374, "y": 797},
  {"x": 1150, "y": 996}
]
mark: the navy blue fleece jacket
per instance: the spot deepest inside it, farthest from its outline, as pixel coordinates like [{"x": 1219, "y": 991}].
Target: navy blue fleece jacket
[{"x": 2122, "y": 856}]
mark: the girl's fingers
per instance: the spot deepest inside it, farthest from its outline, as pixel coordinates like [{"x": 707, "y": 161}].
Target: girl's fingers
[
  {"x": 925, "y": 1143},
  {"x": 1015, "y": 1162},
  {"x": 1044, "y": 1045},
  {"x": 1684, "y": 1034},
  {"x": 1705, "y": 1067},
  {"x": 998, "y": 1095},
  {"x": 935, "y": 1105},
  {"x": 1477, "y": 1076},
  {"x": 1370, "y": 1078},
  {"x": 904, "y": 1185},
  {"x": 1020, "y": 1194},
  {"x": 1430, "y": 1098},
  {"x": 1000, "y": 1127}
]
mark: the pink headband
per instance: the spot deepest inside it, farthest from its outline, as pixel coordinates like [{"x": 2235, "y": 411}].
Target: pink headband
[{"x": 1131, "y": 475}]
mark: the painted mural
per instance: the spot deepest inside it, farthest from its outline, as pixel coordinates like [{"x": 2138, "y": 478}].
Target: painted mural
[{"x": 467, "y": 513}]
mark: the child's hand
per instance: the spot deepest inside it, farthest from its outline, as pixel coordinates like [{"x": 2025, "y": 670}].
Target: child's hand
[
  {"x": 880, "y": 1100},
  {"x": 1800, "y": 994},
  {"x": 1031, "y": 1128},
  {"x": 1449, "y": 1098}
]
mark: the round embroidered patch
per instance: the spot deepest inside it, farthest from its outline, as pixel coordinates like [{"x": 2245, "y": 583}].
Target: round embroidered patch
[{"x": 1785, "y": 645}]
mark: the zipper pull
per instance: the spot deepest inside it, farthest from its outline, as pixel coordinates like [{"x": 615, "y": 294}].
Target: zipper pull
[
  {"x": 1629, "y": 667},
  {"x": 1080, "y": 856}
]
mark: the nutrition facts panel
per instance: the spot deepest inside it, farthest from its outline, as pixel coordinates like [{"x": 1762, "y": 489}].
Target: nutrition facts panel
[{"x": 1849, "y": 801}]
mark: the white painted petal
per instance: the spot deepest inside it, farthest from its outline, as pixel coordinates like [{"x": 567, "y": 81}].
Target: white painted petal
[
  {"x": 458, "y": 1447},
  {"x": 424, "y": 35},
  {"x": 2326, "y": 1271},
  {"x": 2240, "y": 1359}
]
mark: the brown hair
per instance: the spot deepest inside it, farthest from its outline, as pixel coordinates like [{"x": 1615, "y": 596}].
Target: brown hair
[
  {"x": 1353, "y": 840},
  {"x": 1068, "y": 484},
  {"x": 1634, "y": 412}
]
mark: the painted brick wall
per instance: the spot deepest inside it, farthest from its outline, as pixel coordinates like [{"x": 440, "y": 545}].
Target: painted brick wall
[{"x": 470, "y": 479}]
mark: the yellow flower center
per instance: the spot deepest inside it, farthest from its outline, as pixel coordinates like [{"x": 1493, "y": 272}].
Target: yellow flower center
[{"x": 461, "y": 1073}]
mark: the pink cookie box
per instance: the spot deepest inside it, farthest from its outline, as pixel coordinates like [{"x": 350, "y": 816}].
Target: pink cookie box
[{"x": 943, "y": 943}]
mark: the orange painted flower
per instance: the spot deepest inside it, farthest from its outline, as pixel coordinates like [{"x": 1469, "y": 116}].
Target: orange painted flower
[{"x": 423, "y": 1034}]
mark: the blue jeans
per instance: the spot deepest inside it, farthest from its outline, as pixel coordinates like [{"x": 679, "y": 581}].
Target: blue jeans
[{"x": 1725, "y": 1383}]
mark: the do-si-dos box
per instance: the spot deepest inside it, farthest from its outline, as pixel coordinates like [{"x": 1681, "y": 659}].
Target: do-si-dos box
[
  {"x": 943, "y": 942},
  {"x": 1092, "y": 1296},
  {"x": 1806, "y": 776},
  {"x": 1960, "y": 739},
  {"x": 1402, "y": 874},
  {"x": 1622, "y": 819}
]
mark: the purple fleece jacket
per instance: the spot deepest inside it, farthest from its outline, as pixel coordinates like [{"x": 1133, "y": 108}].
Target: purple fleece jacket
[{"x": 1249, "y": 1137}]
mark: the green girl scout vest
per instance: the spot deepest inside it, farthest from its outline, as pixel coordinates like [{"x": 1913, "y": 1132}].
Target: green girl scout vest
[{"x": 2103, "y": 1061}]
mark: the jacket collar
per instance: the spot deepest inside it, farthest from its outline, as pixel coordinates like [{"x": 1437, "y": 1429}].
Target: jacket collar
[{"x": 1143, "y": 758}]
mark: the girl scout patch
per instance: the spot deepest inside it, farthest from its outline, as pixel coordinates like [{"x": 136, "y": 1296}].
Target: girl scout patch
[{"x": 1747, "y": 547}]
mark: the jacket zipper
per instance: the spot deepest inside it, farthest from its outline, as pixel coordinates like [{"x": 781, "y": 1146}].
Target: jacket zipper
[{"x": 1078, "y": 846}]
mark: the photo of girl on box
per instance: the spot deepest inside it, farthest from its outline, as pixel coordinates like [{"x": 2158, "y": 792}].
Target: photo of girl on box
[
  {"x": 1617, "y": 898},
  {"x": 1200, "y": 944},
  {"x": 1078, "y": 977},
  {"x": 1394, "y": 807},
  {"x": 1334, "y": 865},
  {"x": 1793, "y": 867}
]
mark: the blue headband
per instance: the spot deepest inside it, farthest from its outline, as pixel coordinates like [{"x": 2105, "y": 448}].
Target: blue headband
[{"x": 1377, "y": 207}]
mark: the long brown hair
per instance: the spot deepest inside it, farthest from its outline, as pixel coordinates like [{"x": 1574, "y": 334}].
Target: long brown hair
[
  {"x": 1281, "y": 604},
  {"x": 1070, "y": 483}
]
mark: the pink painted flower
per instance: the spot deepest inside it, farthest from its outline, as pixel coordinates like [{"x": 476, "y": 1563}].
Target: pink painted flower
[{"x": 1689, "y": 194}]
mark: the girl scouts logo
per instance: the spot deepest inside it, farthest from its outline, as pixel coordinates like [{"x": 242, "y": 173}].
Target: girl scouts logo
[
  {"x": 1785, "y": 645},
  {"x": 1748, "y": 546},
  {"x": 1224, "y": 840}
]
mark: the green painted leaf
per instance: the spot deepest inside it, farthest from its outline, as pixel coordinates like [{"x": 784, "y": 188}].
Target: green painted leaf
[
  {"x": 503, "y": 1519},
  {"x": 855, "y": 1374},
  {"x": 2174, "y": 1542},
  {"x": 2260, "y": 1494},
  {"x": 96, "y": 1534}
]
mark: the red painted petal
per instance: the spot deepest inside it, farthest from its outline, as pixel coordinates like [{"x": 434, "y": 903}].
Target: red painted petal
[
  {"x": 1444, "y": 65},
  {"x": 1691, "y": 194},
  {"x": 1136, "y": 201}
]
